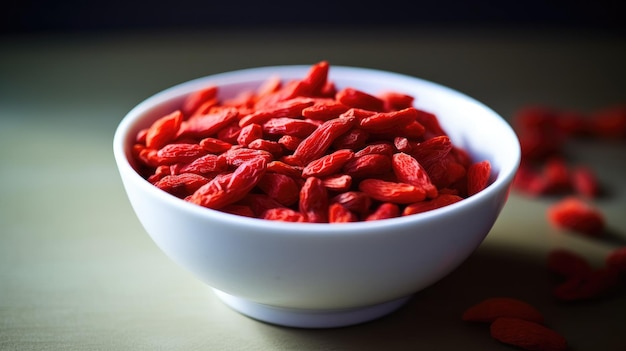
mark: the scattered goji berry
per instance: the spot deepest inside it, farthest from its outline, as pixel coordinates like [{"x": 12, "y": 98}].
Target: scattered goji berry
[
  {"x": 594, "y": 284},
  {"x": 585, "y": 182},
  {"x": 488, "y": 310},
  {"x": 576, "y": 215},
  {"x": 567, "y": 263},
  {"x": 527, "y": 335}
]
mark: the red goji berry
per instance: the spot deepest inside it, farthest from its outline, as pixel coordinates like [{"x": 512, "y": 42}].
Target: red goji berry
[
  {"x": 338, "y": 183},
  {"x": 180, "y": 153},
  {"x": 527, "y": 335},
  {"x": 280, "y": 187},
  {"x": 386, "y": 210},
  {"x": 328, "y": 164},
  {"x": 354, "y": 201},
  {"x": 316, "y": 144},
  {"x": 283, "y": 214},
  {"x": 408, "y": 170},
  {"x": 229, "y": 188},
  {"x": 394, "y": 101},
  {"x": 313, "y": 202},
  {"x": 288, "y": 126},
  {"x": 567, "y": 263},
  {"x": 206, "y": 164},
  {"x": 367, "y": 166},
  {"x": 585, "y": 182},
  {"x": 488, "y": 310},
  {"x": 398, "y": 193},
  {"x": 164, "y": 130},
  {"x": 208, "y": 125},
  {"x": 324, "y": 110},
  {"x": 595, "y": 284},
  {"x": 422, "y": 206},
  {"x": 360, "y": 99},
  {"x": 339, "y": 214},
  {"x": 181, "y": 185},
  {"x": 196, "y": 99},
  {"x": 478, "y": 177},
  {"x": 249, "y": 133},
  {"x": 576, "y": 215}
]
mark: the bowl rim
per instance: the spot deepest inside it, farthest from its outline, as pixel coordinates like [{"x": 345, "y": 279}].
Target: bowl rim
[{"x": 504, "y": 178}]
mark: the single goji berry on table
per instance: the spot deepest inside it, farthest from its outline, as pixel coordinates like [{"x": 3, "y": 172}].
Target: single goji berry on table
[
  {"x": 567, "y": 263},
  {"x": 527, "y": 335},
  {"x": 488, "y": 310},
  {"x": 576, "y": 215}
]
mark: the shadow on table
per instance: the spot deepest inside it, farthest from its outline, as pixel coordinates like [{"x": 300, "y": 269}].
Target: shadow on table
[{"x": 433, "y": 317}]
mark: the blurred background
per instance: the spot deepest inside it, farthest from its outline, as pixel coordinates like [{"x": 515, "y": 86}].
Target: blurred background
[{"x": 29, "y": 16}]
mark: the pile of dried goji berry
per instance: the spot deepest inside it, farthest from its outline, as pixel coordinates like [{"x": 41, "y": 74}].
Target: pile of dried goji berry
[
  {"x": 546, "y": 171},
  {"x": 307, "y": 151}
]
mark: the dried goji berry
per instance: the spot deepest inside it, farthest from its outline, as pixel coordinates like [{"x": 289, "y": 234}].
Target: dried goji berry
[
  {"x": 208, "y": 125},
  {"x": 355, "y": 201},
  {"x": 206, "y": 164},
  {"x": 249, "y": 133},
  {"x": 488, "y": 310},
  {"x": 576, "y": 215},
  {"x": 316, "y": 144},
  {"x": 339, "y": 214},
  {"x": 181, "y": 185},
  {"x": 527, "y": 335},
  {"x": 180, "y": 153},
  {"x": 338, "y": 182},
  {"x": 194, "y": 100},
  {"x": 408, "y": 170},
  {"x": 229, "y": 188},
  {"x": 478, "y": 177},
  {"x": 398, "y": 193},
  {"x": 360, "y": 99},
  {"x": 595, "y": 284},
  {"x": 428, "y": 205},
  {"x": 314, "y": 201},
  {"x": 289, "y": 108},
  {"x": 567, "y": 263},
  {"x": 328, "y": 164},
  {"x": 386, "y": 210},
  {"x": 280, "y": 187},
  {"x": 324, "y": 110},
  {"x": 585, "y": 182},
  {"x": 388, "y": 121},
  {"x": 283, "y": 214},
  {"x": 214, "y": 145},
  {"x": 164, "y": 130},
  {"x": 288, "y": 126},
  {"x": 367, "y": 166},
  {"x": 394, "y": 101}
]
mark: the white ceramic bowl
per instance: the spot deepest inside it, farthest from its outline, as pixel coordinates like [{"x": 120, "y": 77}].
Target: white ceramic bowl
[{"x": 324, "y": 275}]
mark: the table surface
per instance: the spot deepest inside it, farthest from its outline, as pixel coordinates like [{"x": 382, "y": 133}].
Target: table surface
[{"x": 78, "y": 272}]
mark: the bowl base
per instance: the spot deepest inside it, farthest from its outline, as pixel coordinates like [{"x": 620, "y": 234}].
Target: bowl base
[{"x": 305, "y": 318}]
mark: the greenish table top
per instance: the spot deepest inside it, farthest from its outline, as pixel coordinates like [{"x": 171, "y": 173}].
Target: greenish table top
[{"x": 78, "y": 272}]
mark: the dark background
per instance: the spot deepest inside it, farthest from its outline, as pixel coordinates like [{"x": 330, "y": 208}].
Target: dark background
[{"x": 33, "y": 16}]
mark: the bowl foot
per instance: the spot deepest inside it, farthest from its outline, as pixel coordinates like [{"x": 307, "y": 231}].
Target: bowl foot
[{"x": 304, "y": 318}]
